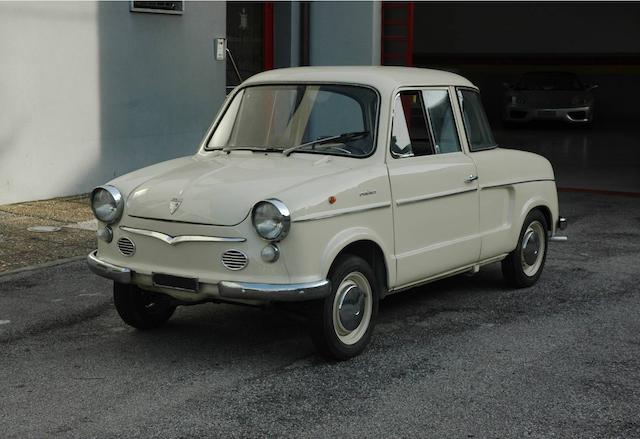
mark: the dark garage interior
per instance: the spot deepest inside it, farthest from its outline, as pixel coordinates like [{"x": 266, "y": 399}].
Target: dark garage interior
[{"x": 493, "y": 44}]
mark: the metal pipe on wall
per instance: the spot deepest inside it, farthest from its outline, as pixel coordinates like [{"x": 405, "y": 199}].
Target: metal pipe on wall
[{"x": 304, "y": 33}]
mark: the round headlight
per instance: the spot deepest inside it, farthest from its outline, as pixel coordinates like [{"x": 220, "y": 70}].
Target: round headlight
[
  {"x": 271, "y": 219},
  {"x": 107, "y": 204}
]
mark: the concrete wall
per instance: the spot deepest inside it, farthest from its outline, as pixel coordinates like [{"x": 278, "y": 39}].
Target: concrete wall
[
  {"x": 91, "y": 90},
  {"x": 345, "y": 33}
]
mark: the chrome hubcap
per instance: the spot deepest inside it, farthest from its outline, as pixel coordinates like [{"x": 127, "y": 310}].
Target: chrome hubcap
[
  {"x": 533, "y": 246},
  {"x": 352, "y": 307}
]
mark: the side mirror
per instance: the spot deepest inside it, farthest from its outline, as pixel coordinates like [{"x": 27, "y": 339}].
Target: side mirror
[{"x": 592, "y": 87}]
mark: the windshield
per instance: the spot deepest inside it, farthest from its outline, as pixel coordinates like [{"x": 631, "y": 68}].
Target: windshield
[
  {"x": 281, "y": 117},
  {"x": 549, "y": 81}
]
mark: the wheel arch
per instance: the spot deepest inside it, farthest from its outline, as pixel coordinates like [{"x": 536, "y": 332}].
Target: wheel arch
[
  {"x": 537, "y": 203},
  {"x": 368, "y": 246}
]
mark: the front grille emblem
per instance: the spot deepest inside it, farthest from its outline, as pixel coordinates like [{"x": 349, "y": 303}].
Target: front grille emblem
[{"x": 174, "y": 204}]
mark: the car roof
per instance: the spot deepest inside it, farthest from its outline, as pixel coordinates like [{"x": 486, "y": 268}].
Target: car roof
[{"x": 384, "y": 78}]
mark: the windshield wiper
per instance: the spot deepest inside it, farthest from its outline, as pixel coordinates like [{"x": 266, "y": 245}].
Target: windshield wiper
[
  {"x": 251, "y": 148},
  {"x": 344, "y": 137}
]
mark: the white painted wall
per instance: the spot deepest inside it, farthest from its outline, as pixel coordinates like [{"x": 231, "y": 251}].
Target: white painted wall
[{"x": 89, "y": 91}]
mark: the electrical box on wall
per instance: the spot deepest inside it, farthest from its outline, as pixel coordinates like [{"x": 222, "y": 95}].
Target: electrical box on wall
[
  {"x": 221, "y": 47},
  {"x": 165, "y": 7}
]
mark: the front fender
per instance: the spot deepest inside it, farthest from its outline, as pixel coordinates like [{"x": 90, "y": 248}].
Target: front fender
[{"x": 351, "y": 235}]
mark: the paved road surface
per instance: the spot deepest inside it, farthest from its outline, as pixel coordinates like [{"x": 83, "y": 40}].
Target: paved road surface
[{"x": 465, "y": 357}]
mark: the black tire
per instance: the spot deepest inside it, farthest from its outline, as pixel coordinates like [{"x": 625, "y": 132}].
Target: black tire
[
  {"x": 140, "y": 309},
  {"x": 350, "y": 276},
  {"x": 517, "y": 268}
]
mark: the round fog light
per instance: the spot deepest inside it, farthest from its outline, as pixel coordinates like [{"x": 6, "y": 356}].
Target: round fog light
[
  {"x": 106, "y": 234},
  {"x": 270, "y": 253}
]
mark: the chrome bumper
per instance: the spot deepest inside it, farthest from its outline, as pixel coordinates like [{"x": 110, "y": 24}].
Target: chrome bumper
[
  {"x": 278, "y": 292},
  {"x": 518, "y": 113},
  {"x": 562, "y": 223},
  {"x": 228, "y": 289},
  {"x": 105, "y": 269}
]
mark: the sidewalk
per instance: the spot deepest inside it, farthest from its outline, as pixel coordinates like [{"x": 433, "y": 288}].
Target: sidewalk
[{"x": 43, "y": 231}]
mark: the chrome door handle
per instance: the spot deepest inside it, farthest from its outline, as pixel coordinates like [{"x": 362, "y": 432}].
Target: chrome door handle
[{"x": 471, "y": 178}]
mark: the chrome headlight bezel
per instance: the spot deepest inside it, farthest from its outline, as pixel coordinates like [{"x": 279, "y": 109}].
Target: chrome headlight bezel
[
  {"x": 282, "y": 219},
  {"x": 117, "y": 202}
]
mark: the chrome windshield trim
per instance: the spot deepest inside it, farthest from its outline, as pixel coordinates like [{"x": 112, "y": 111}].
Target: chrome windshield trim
[
  {"x": 347, "y": 211},
  {"x": 419, "y": 198},
  {"x": 173, "y": 240}
]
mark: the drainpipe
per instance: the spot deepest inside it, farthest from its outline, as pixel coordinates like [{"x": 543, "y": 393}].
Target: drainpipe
[{"x": 304, "y": 33}]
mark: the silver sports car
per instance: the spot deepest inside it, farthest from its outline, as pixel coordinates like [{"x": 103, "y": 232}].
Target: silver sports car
[{"x": 549, "y": 96}]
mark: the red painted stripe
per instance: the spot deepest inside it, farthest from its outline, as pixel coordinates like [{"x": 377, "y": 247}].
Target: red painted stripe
[
  {"x": 600, "y": 191},
  {"x": 410, "y": 34}
]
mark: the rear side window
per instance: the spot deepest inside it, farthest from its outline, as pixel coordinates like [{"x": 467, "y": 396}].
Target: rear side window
[
  {"x": 410, "y": 135},
  {"x": 443, "y": 125},
  {"x": 475, "y": 121}
]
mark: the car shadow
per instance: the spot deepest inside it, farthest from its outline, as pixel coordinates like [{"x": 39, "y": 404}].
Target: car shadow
[{"x": 218, "y": 333}]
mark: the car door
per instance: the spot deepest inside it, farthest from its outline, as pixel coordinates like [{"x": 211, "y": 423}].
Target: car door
[
  {"x": 434, "y": 189},
  {"x": 496, "y": 197}
]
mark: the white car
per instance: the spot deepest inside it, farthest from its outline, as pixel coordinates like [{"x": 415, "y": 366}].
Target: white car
[{"x": 329, "y": 187}]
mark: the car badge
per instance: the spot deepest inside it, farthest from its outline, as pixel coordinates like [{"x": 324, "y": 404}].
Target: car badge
[{"x": 174, "y": 204}]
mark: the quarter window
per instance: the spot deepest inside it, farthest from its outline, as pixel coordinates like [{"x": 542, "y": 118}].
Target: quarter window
[
  {"x": 410, "y": 135},
  {"x": 475, "y": 121},
  {"x": 445, "y": 135}
]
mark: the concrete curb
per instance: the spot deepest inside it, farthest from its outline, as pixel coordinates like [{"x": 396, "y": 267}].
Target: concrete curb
[{"x": 44, "y": 265}]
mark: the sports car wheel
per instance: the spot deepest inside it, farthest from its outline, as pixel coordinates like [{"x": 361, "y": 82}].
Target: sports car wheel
[
  {"x": 342, "y": 323},
  {"x": 523, "y": 266}
]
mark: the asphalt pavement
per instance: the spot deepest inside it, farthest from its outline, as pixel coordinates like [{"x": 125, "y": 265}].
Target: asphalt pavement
[{"x": 465, "y": 357}]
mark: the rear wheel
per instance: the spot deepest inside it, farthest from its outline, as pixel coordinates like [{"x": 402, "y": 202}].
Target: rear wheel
[
  {"x": 523, "y": 266},
  {"x": 139, "y": 308},
  {"x": 342, "y": 323}
]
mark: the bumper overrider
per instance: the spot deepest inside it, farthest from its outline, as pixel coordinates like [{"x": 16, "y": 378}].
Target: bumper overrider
[{"x": 228, "y": 289}]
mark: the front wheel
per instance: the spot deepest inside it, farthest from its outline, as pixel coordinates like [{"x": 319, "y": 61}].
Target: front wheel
[
  {"x": 342, "y": 323},
  {"x": 140, "y": 309},
  {"x": 523, "y": 266}
]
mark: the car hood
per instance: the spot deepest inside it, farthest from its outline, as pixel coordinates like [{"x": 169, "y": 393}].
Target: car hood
[{"x": 221, "y": 189}]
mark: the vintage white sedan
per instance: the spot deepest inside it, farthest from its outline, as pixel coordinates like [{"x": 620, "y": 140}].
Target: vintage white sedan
[{"x": 330, "y": 187}]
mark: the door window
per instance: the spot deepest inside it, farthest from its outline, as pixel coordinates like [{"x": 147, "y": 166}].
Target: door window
[
  {"x": 475, "y": 121},
  {"x": 443, "y": 125},
  {"x": 410, "y": 135}
]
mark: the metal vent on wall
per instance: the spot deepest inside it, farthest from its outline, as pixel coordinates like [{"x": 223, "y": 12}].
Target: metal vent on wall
[
  {"x": 158, "y": 7},
  {"x": 234, "y": 259},
  {"x": 126, "y": 246}
]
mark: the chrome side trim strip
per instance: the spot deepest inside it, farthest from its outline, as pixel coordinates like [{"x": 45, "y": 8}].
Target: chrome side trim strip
[
  {"x": 173, "y": 240},
  {"x": 347, "y": 211},
  {"x": 489, "y": 186},
  {"x": 426, "y": 197},
  {"x": 460, "y": 270}
]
